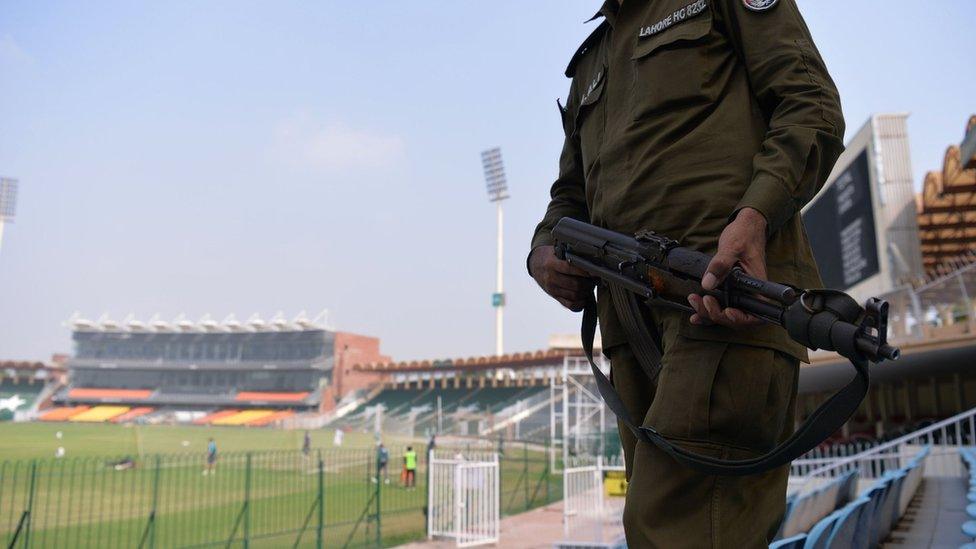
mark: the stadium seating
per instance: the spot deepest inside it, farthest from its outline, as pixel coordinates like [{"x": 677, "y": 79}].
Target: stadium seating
[
  {"x": 242, "y": 418},
  {"x": 272, "y": 418},
  {"x": 868, "y": 520},
  {"x": 17, "y": 396},
  {"x": 99, "y": 414},
  {"x": 109, "y": 394},
  {"x": 132, "y": 414},
  {"x": 805, "y": 511},
  {"x": 210, "y": 418},
  {"x": 968, "y": 456},
  {"x": 62, "y": 414},
  {"x": 265, "y": 396},
  {"x": 794, "y": 542}
]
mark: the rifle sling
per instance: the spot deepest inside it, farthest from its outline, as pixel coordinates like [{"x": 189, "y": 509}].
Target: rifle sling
[{"x": 823, "y": 422}]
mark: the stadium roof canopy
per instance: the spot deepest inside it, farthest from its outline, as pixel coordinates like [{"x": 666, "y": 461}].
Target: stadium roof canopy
[
  {"x": 513, "y": 360},
  {"x": 277, "y": 323},
  {"x": 947, "y": 207}
]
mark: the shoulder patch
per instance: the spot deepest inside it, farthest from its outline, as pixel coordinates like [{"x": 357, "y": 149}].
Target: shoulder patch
[
  {"x": 590, "y": 41},
  {"x": 759, "y": 5}
]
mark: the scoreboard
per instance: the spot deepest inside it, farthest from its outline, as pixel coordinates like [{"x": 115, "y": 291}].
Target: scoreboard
[{"x": 841, "y": 228}]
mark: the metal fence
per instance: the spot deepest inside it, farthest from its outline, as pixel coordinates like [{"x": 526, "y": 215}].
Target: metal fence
[
  {"x": 327, "y": 498},
  {"x": 943, "y": 306}
]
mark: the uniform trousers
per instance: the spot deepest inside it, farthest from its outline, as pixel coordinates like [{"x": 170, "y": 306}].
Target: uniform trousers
[{"x": 716, "y": 398}]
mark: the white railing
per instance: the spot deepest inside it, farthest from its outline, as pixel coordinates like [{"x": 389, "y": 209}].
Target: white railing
[{"x": 944, "y": 438}]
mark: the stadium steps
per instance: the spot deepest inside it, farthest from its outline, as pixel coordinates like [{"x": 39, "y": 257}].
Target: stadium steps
[
  {"x": 99, "y": 414},
  {"x": 63, "y": 413}
]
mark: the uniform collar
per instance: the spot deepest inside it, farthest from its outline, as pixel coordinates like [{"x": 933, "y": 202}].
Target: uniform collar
[{"x": 608, "y": 10}]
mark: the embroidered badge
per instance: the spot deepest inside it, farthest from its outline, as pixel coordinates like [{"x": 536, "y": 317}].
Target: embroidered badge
[
  {"x": 759, "y": 5},
  {"x": 593, "y": 85},
  {"x": 675, "y": 17}
]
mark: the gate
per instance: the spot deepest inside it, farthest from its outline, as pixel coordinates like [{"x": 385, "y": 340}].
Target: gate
[
  {"x": 463, "y": 498},
  {"x": 592, "y": 513}
]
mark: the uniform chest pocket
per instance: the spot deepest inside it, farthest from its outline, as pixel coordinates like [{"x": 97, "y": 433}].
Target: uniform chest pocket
[
  {"x": 590, "y": 118},
  {"x": 671, "y": 66}
]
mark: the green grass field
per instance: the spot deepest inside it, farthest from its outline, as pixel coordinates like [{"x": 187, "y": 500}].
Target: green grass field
[
  {"x": 38, "y": 440},
  {"x": 264, "y": 488}
]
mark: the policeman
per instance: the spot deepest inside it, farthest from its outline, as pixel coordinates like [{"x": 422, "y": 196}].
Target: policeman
[{"x": 711, "y": 122}]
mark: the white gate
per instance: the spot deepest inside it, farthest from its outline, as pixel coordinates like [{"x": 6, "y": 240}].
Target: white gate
[
  {"x": 463, "y": 498},
  {"x": 591, "y": 518}
]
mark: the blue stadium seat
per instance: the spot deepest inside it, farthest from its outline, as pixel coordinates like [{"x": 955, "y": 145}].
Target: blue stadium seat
[
  {"x": 845, "y": 531},
  {"x": 971, "y": 510},
  {"x": 817, "y": 538},
  {"x": 971, "y": 496},
  {"x": 795, "y": 542},
  {"x": 872, "y": 514},
  {"x": 969, "y": 528}
]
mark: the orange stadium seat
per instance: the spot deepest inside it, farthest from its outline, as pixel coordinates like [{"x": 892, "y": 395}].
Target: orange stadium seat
[
  {"x": 268, "y": 420},
  {"x": 242, "y": 418},
  {"x": 132, "y": 414},
  {"x": 99, "y": 414},
  {"x": 209, "y": 418},
  {"x": 127, "y": 394},
  {"x": 270, "y": 397},
  {"x": 61, "y": 414}
]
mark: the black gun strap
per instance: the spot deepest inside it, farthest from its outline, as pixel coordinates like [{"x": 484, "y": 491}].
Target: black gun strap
[
  {"x": 638, "y": 337},
  {"x": 823, "y": 422}
]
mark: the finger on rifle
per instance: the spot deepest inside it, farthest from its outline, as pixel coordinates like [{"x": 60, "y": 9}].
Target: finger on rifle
[
  {"x": 699, "y": 317},
  {"x": 718, "y": 268},
  {"x": 741, "y": 318},
  {"x": 562, "y": 266},
  {"x": 714, "y": 311}
]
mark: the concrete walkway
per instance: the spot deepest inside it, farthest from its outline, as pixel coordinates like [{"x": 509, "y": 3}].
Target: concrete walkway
[
  {"x": 535, "y": 529},
  {"x": 934, "y": 517}
]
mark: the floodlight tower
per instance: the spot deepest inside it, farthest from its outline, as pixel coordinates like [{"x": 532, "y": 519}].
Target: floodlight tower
[
  {"x": 497, "y": 187},
  {"x": 8, "y": 203}
]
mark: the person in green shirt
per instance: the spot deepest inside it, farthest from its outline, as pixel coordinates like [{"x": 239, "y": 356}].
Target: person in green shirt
[
  {"x": 711, "y": 122},
  {"x": 410, "y": 467}
]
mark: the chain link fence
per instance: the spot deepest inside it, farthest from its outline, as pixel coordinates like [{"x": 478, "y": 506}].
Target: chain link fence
[{"x": 323, "y": 498}]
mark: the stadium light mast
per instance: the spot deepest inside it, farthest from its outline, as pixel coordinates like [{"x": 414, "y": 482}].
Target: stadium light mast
[
  {"x": 8, "y": 203},
  {"x": 497, "y": 187}
]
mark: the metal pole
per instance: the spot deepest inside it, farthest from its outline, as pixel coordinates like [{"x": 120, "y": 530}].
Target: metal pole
[
  {"x": 155, "y": 503},
  {"x": 321, "y": 518},
  {"x": 1, "y": 232},
  {"x": 30, "y": 498},
  {"x": 379, "y": 514},
  {"x": 247, "y": 502},
  {"x": 499, "y": 283}
]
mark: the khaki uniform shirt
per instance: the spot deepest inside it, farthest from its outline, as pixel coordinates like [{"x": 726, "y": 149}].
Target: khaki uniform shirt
[{"x": 682, "y": 112}]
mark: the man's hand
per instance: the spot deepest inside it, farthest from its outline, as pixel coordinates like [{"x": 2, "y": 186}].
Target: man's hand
[
  {"x": 744, "y": 242},
  {"x": 569, "y": 285}
]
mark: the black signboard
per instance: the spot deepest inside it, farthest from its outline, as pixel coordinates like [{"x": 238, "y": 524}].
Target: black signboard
[{"x": 841, "y": 228}]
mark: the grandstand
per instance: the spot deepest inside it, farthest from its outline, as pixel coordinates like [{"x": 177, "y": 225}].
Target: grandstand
[
  {"x": 262, "y": 371},
  {"x": 25, "y": 386}
]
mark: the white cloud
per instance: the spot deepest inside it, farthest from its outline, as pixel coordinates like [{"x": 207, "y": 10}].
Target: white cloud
[{"x": 301, "y": 143}]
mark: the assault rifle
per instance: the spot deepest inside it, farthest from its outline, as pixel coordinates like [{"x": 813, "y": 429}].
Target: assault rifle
[{"x": 657, "y": 271}]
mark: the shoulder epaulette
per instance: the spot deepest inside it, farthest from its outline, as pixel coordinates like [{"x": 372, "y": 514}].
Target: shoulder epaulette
[{"x": 592, "y": 39}]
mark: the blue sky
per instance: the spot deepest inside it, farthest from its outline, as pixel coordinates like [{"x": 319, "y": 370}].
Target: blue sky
[{"x": 219, "y": 157}]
